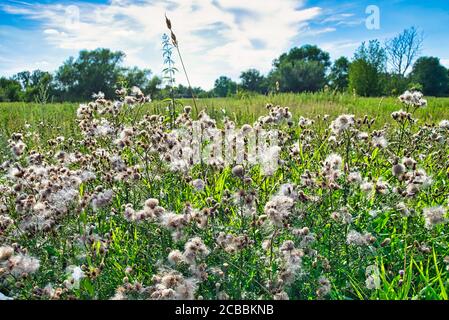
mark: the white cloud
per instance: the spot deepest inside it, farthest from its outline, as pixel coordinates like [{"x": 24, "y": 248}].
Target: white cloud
[
  {"x": 308, "y": 32},
  {"x": 445, "y": 62},
  {"x": 215, "y": 37},
  {"x": 343, "y": 19},
  {"x": 341, "y": 47}
]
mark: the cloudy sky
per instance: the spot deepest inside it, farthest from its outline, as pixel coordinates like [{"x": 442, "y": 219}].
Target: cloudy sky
[{"x": 217, "y": 37}]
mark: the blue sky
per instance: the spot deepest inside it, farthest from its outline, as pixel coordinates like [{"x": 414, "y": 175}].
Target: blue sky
[{"x": 218, "y": 37}]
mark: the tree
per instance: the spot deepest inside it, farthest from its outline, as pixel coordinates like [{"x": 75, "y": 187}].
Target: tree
[
  {"x": 373, "y": 53},
  {"x": 364, "y": 78},
  {"x": 36, "y": 85},
  {"x": 339, "y": 75},
  {"x": 404, "y": 49},
  {"x": 394, "y": 84},
  {"x": 10, "y": 90},
  {"x": 433, "y": 77},
  {"x": 135, "y": 77},
  {"x": 305, "y": 53},
  {"x": 24, "y": 78},
  {"x": 154, "y": 87},
  {"x": 253, "y": 81},
  {"x": 301, "y": 69},
  {"x": 92, "y": 71},
  {"x": 302, "y": 76},
  {"x": 365, "y": 72},
  {"x": 224, "y": 87}
]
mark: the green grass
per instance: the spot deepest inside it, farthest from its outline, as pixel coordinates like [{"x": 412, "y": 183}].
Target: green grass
[{"x": 58, "y": 118}]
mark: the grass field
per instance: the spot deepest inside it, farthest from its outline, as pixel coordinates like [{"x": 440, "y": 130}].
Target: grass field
[
  {"x": 100, "y": 203},
  {"x": 241, "y": 110}
]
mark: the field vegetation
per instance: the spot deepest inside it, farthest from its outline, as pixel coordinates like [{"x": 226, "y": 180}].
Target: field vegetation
[{"x": 107, "y": 199}]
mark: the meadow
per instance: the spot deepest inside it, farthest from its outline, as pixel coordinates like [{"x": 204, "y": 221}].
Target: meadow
[{"x": 109, "y": 200}]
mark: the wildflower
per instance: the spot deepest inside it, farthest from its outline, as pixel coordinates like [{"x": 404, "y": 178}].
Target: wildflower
[
  {"x": 269, "y": 160},
  {"x": 414, "y": 99},
  {"x": 238, "y": 170},
  {"x": 135, "y": 91},
  {"x": 102, "y": 199},
  {"x": 402, "y": 208},
  {"x": 304, "y": 122},
  {"x": 381, "y": 186},
  {"x": 434, "y": 216},
  {"x": 356, "y": 238},
  {"x": 23, "y": 265},
  {"x": 333, "y": 162},
  {"x": 172, "y": 285},
  {"x": 366, "y": 186},
  {"x": 151, "y": 203},
  {"x": 363, "y": 136},
  {"x": 324, "y": 287},
  {"x": 444, "y": 124},
  {"x": 288, "y": 190},
  {"x": 379, "y": 141},
  {"x": 175, "y": 257},
  {"x": 401, "y": 116},
  {"x": 278, "y": 209},
  {"x": 342, "y": 123},
  {"x": 5, "y": 253},
  {"x": 18, "y": 148},
  {"x": 174, "y": 222},
  {"x": 344, "y": 216},
  {"x": 75, "y": 276},
  {"x": 198, "y": 184},
  {"x": 409, "y": 162},
  {"x": 99, "y": 95},
  {"x": 194, "y": 250},
  {"x": 372, "y": 277},
  {"x": 281, "y": 296},
  {"x": 355, "y": 177},
  {"x": 246, "y": 128},
  {"x": 398, "y": 170}
]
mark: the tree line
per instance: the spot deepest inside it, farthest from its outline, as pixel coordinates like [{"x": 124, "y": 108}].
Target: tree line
[{"x": 376, "y": 69}]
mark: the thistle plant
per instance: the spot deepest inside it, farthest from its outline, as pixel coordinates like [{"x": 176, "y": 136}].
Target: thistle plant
[
  {"x": 169, "y": 74},
  {"x": 176, "y": 45}
]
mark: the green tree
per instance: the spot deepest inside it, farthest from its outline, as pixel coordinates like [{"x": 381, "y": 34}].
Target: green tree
[
  {"x": 394, "y": 84},
  {"x": 339, "y": 75},
  {"x": 365, "y": 72},
  {"x": 252, "y": 80},
  {"x": 306, "y": 53},
  {"x": 373, "y": 53},
  {"x": 301, "y": 69},
  {"x": 10, "y": 90},
  {"x": 364, "y": 79},
  {"x": 24, "y": 78},
  {"x": 301, "y": 76},
  {"x": 38, "y": 85},
  {"x": 153, "y": 87},
  {"x": 224, "y": 87},
  {"x": 433, "y": 77},
  {"x": 136, "y": 77},
  {"x": 92, "y": 71}
]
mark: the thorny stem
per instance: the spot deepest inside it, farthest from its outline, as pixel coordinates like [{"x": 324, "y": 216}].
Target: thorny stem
[
  {"x": 188, "y": 80},
  {"x": 271, "y": 252}
]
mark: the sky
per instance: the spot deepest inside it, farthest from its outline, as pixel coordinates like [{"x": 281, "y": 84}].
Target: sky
[{"x": 216, "y": 37}]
